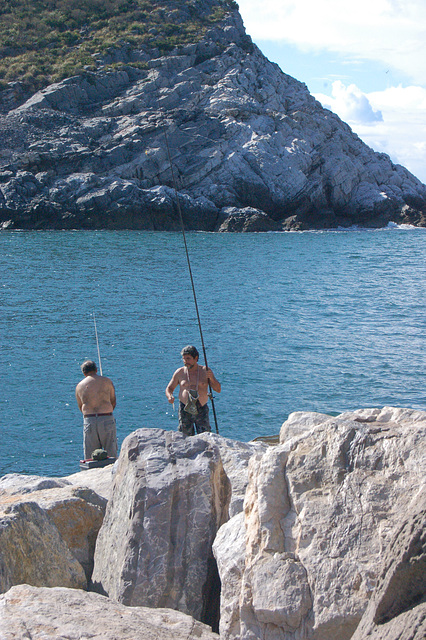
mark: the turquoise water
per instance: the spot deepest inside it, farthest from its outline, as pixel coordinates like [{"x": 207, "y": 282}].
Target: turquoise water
[{"x": 319, "y": 321}]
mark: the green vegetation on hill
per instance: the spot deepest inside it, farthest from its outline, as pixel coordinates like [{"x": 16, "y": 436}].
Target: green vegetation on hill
[{"x": 44, "y": 41}]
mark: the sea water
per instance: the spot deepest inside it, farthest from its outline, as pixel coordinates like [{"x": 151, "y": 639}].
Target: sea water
[{"x": 315, "y": 321}]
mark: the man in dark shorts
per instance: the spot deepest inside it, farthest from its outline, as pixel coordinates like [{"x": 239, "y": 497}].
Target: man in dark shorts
[
  {"x": 193, "y": 380},
  {"x": 96, "y": 400}
]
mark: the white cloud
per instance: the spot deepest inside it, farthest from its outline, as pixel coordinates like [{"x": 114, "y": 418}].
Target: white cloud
[
  {"x": 401, "y": 131},
  {"x": 350, "y": 103},
  {"x": 392, "y": 32}
]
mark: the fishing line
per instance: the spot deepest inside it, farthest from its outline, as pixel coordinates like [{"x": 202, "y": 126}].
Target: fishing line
[
  {"x": 190, "y": 273},
  {"x": 97, "y": 344}
]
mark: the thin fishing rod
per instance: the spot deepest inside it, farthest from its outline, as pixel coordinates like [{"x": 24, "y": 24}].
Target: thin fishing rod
[
  {"x": 97, "y": 344},
  {"x": 190, "y": 274}
]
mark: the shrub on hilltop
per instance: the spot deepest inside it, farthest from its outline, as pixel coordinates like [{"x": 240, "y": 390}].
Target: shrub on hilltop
[{"x": 44, "y": 41}]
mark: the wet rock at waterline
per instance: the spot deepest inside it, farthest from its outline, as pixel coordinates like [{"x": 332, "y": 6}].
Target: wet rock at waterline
[{"x": 251, "y": 149}]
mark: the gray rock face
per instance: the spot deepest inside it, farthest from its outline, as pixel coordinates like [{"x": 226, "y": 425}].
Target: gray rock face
[
  {"x": 19, "y": 484},
  {"x": 397, "y": 608},
  {"x": 32, "y": 551},
  {"x": 76, "y": 513},
  {"x": 251, "y": 149},
  {"x": 320, "y": 511},
  {"x": 70, "y": 614},
  {"x": 235, "y": 458},
  {"x": 99, "y": 480},
  {"x": 169, "y": 497}
]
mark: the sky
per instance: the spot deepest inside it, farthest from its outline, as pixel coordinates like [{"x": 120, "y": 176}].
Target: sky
[{"x": 363, "y": 59}]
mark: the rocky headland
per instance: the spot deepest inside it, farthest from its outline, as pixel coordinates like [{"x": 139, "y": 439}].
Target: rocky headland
[
  {"x": 250, "y": 148},
  {"x": 318, "y": 537}
]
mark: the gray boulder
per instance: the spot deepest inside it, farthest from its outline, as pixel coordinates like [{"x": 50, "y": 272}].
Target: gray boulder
[
  {"x": 169, "y": 497},
  {"x": 319, "y": 513},
  {"x": 397, "y": 609},
  {"x": 32, "y": 551},
  {"x": 235, "y": 458},
  {"x": 99, "y": 480},
  {"x": 71, "y": 614},
  {"x": 76, "y": 512},
  {"x": 19, "y": 484}
]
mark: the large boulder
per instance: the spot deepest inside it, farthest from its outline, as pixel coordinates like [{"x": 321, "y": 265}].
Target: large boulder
[
  {"x": 70, "y": 614},
  {"x": 170, "y": 495},
  {"x": 319, "y": 512},
  {"x": 397, "y": 609},
  {"x": 99, "y": 480},
  {"x": 77, "y": 512},
  {"x": 20, "y": 484},
  {"x": 235, "y": 458},
  {"x": 32, "y": 551},
  {"x": 229, "y": 549}
]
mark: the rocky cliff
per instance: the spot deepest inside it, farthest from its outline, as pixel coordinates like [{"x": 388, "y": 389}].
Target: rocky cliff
[
  {"x": 250, "y": 148},
  {"x": 319, "y": 537}
]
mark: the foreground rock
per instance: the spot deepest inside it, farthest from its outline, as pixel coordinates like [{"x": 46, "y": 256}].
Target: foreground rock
[
  {"x": 169, "y": 497},
  {"x": 32, "y": 550},
  {"x": 76, "y": 511},
  {"x": 69, "y": 614},
  {"x": 320, "y": 510},
  {"x": 20, "y": 484},
  {"x": 397, "y": 608},
  {"x": 331, "y": 541},
  {"x": 99, "y": 480},
  {"x": 251, "y": 148},
  {"x": 235, "y": 458}
]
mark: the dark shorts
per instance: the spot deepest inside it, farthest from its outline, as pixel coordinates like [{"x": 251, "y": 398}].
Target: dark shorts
[{"x": 189, "y": 424}]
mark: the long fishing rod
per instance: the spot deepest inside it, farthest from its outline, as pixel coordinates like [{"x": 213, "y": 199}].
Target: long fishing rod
[
  {"x": 97, "y": 344},
  {"x": 190, "y": 274}
]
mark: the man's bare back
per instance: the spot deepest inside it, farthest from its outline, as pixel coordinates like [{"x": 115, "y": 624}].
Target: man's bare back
[{"x": 95, "y": 394}]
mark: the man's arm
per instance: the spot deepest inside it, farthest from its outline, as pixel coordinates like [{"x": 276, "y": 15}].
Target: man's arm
[
  {"x": 215, "y": 384},
  {"x": 113, "y": 398},
  {"x": 77, "y": 397},
  {"x": 172, "y": 386}
]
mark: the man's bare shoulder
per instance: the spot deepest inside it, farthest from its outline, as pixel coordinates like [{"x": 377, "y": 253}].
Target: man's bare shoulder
[
  {"x": 179, "y": 374},
  {"x": 179, "y": 371}
]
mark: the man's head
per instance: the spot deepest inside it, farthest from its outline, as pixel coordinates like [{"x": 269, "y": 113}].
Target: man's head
[
  {"x": 89, "y": 367},
  {"x": 190, "y": 351},
  {"x": 189, "y": 355}
]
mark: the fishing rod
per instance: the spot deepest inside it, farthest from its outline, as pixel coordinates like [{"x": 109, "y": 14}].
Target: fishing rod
[
  {"x": 190, "y": 274},
  {"x": 97, "y": 344}
]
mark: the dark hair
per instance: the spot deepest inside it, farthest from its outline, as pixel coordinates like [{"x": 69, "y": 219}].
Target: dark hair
[
  {"x": 89, "y": 366},
  {"x": 190, "y": 351}
]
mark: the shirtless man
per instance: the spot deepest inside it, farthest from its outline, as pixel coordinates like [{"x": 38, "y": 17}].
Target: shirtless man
[
  {"x": 193, "y": 380},
  {"x": 96, "y": 400}
]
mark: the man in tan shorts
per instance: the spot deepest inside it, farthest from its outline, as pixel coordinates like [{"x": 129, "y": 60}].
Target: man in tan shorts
[
  {"x": 96, "y": 400},
  {"x": 193, "y": 380}
]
